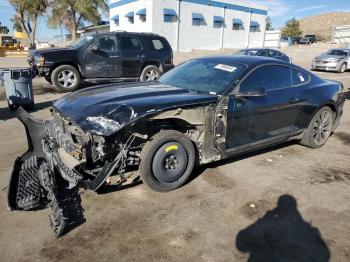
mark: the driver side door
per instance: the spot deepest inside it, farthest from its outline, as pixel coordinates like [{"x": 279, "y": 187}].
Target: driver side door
[
  {"x": 101, "y": 58},
  {"x": 262, "y": 110}
]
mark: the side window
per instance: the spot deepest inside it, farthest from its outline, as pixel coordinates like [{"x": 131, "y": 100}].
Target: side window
[
  {"x": 261, "y": 53},
  {"x": 299, "y": 77},
  {"x": 157, "y": 44},
  {"x": 106, "y": 44},
  {"x": 271, "y": 53},
  {"x": 269, "y": 77},
  {"x": 130, "y": 43}
]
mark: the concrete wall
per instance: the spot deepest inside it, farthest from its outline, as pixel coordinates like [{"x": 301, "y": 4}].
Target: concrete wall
[{"x": 183, "y": 35}]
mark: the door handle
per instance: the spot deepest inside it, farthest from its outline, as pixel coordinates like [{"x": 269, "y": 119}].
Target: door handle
[{"x": 293, "y": 100}]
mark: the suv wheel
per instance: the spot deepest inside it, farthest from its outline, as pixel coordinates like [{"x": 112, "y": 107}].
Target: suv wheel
[
  {"x": 342, "y": 68},
  {"x": 150, "y": 73},
  {"x": 167, "y": 161},
  {"x": 65, "y": 78}
]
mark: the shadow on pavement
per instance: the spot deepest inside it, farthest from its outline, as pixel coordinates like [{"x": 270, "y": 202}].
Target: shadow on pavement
[
  {"x": 6, "y": 114},
  {"x": 282, "y": 235}
]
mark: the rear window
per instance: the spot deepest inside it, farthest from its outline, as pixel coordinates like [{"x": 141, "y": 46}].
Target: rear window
[
  {"x": 157, "y": 44},
  {"x": 130, "y": 43}
]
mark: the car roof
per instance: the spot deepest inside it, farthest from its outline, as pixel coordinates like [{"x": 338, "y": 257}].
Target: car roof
[{"x": 125, "y": 33}]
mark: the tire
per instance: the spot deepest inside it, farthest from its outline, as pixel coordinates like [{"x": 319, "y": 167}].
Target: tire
[
  {"x": 150, "y": 73},
  {"x": 317, "y": 134},
  {"x": 342, "y": 68},
  {"x": 48, "y": 78},
  {"x": 167, "y": 161},
  {"x": 65, "y": 78}
]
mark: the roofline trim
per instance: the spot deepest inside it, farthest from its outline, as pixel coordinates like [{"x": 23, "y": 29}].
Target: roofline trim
[{"x": 204, "y": 2}]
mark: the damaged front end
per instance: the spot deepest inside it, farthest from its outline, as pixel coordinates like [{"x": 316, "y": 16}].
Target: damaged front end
[{"x": 51, "y": 171}]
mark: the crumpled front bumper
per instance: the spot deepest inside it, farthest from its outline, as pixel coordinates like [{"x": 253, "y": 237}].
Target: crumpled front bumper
[{"x": 36, "y": 179}]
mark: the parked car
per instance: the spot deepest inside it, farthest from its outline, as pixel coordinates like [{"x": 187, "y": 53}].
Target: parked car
[
  {"x": 334, "y": 60},
  {"x": 295, "y": 40},
  {"x": 308, "y": 39},
  {"x": 102, "y": 57},
  {"x": 204, "y": 110},
  {"x": 267, "y": 52}
]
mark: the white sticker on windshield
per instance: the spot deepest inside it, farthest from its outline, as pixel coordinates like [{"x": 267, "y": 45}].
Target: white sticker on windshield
[
  {"x": 227, "y": 68},
  {"x": 301, "y": 77}
]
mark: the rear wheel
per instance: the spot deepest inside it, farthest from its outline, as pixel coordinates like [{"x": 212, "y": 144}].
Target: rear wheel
[
  {"x": 167, "y": 161},
  {"x": 150, "y": 73},
  {"x": 65, "y": 78},
  {"x": 320, "y": 128},
  {"x": 342, "y": 68}
]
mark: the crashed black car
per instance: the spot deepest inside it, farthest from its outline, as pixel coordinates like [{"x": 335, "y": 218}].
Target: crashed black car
[{"x": 204, "y": 110}]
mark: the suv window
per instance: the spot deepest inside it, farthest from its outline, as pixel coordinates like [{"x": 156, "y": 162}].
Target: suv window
[
  {"x": 299, "y": 77},
  {"x": 270, "y": 77},
  {"x": 130, "y": 43},
  {"x": 157, "y": 44},
  {"x": 106, "y": 43}
]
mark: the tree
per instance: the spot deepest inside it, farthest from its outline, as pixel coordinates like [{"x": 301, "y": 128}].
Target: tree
[
  {"x": 72, "y": 13},
  {"x": 292, "y": 28},
  {"x": 268, "y": 23},
  {"x": 26, "y": 17}
]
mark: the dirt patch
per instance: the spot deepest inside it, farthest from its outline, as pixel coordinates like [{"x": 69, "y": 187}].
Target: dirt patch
[
  {"x": 328, "y": 175},
  {"x": 256, "y": 209},
  {"x": 217, "y": 179}
]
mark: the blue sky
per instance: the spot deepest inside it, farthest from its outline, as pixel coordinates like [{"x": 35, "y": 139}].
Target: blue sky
[{"x": 279, "y": 11}]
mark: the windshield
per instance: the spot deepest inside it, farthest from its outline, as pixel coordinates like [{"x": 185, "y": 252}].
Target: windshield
[
  {"x": 337, "y": 52},
  {"x": 204, "y": 75},
  {"x": 81, "y": 41}
]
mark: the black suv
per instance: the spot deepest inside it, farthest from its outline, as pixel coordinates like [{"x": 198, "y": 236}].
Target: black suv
[{"x": 104, "y": 57}]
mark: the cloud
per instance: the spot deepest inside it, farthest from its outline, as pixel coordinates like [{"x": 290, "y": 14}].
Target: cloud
[
  {"x": 276, "y": 7},
  {"x": 310, "y": 8}
]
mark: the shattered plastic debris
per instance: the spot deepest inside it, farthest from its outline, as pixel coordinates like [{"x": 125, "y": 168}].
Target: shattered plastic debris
[
  {"x": 252, "y": 205},
  {"x": 269, "y": 160}
]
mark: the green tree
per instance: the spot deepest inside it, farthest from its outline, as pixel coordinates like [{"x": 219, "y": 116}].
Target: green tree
[
  {"x": 26, "y": 17},
  {"x": 72, "y": 13},
  {"x": 268, "y": 23},
  {"x": 292, "y": 28}
]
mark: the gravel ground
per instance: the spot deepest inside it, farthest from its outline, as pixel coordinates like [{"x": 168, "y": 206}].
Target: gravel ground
[{"x": 279, "y": 204}]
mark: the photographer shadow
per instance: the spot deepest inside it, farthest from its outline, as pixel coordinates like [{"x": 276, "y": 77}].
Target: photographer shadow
[{"x": 282, "y": 235}]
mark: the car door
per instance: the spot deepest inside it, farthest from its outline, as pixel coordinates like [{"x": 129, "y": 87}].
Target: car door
[
  {"x": 101, "y": 58},
  {"x": 131, "y": 55},
  {"x": 263, "y": 108}
]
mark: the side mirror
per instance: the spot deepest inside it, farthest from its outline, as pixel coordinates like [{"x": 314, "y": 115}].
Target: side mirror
[{"x": 258, "y": 92}]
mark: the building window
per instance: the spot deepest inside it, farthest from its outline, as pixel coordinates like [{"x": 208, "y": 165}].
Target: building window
[
  {"x": 142, "y": 14},
  {"x": 169, "y": 15},
  {"x": 254, "y": 26},
  {"x": 116, "y": 20},
  {"x": 130, "y": 17},
  {"x": 197, "y": 19},
  {"x": 237, "y": 24},
  {"x": 218, "y": 21}
]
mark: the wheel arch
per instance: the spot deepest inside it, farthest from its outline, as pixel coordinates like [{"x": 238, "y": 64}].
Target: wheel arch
[
  {"x": 150, "y": 62},
  {"x": 70, "y": 63}
]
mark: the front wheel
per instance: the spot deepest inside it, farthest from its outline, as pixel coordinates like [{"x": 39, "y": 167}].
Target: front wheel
[
  {"x": 65, "y": 78},
  {"x": 167, "y": 161},
  {"x": 320, "y": 128},
  {"x": 150, "y": 73},
  {"x": 342, "y": 68}
]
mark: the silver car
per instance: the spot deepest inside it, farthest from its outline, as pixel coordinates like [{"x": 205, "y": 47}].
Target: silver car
[{"x": 334, "y": 60}]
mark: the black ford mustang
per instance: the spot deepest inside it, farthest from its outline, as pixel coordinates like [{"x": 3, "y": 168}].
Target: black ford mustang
[{"x": 202, "y": 111}]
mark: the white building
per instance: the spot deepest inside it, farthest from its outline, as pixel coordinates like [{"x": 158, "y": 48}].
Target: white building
[{"x": 193, "y": 24}]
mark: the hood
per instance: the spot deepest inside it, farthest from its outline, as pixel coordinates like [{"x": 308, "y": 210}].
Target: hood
[
  {"x": 43, "y": 51},
  {"x": 329, "y": 57},
  {"x": 106, "y": 109}
]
